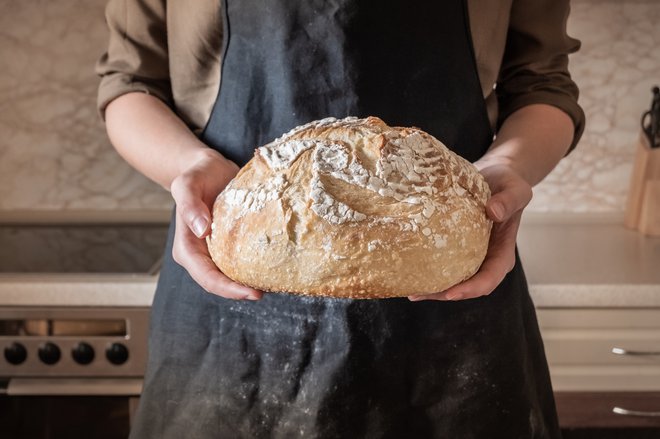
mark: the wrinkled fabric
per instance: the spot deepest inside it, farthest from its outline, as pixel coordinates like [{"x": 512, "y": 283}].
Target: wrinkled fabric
[
  {"x": 410, "y": 64},
  {"x": 171, "y": 50},
  {"x": 300, "y": 367},
  {"x": 290, "y": 366}
]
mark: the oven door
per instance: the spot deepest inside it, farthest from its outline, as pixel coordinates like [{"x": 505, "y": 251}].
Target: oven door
[{"x": 45, "y": 408}]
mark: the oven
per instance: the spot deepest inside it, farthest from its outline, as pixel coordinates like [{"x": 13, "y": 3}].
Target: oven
[{"x": 74, "y": 315}]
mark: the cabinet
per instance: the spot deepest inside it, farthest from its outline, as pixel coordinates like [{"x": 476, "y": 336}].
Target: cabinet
[{"x": 604, "y": 364}]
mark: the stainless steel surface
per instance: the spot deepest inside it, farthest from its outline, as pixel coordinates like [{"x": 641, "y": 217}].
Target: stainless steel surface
[
  {"x": 134, "y": 340},
  {"x": 109, "y": 248},
  {"x": 74, "y": 387},
  {"x": 74, "y": 307},
  {"x": 621, "y": 351},
  {"x": 87, "y": 216},
  {"x": 63, "y": 327},
  {"x": 626, "y": 412}
]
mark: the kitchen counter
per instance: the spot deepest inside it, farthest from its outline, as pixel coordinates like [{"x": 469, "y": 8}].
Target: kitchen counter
[
  {"x": 570, "y": 262},
  {"x": 120, "y": 290},
  {"x": 589, "y": 261}
]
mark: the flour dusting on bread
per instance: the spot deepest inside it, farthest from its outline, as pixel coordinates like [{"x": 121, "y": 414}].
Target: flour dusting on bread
[
  {"x": 400, "y": 189},
  {"x": 409, "y": 164}
]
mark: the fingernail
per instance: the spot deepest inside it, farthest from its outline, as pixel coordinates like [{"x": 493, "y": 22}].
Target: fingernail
[
  {"x": 414, "y": 298},
  {"x": 199, "y": 226},
  {"x": 251, "y": 297},
  {"x": 458, "y": 296},
  {"x": 498, "y": 210}
]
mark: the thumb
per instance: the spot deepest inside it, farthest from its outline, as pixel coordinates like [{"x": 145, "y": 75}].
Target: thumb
[
  {"x": 191, "y": 207},
  {"x": 505, "y": 203}
]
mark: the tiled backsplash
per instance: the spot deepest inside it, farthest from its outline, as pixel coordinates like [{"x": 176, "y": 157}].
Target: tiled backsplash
[
  {"x": 54, "y": 155},
  {"x": 616, "y": 68}
]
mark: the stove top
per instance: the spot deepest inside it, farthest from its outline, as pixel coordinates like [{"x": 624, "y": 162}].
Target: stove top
[
  {"x": 81, "y": 248},
  {"x": 79, "y": 329}
]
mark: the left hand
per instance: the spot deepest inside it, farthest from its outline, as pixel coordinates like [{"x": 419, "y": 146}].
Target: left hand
[
  {"x": 510, "y": 193},
  {"x": 194, "y": 190}
]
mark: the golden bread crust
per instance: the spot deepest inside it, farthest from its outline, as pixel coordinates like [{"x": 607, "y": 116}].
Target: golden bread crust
[{"x": 352, "y": 208}]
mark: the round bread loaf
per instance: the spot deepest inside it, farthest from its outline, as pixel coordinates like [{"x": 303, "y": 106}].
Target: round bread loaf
[{"x": 352, "y": 208}]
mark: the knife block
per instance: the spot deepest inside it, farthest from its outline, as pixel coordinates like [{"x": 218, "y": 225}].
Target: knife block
[{"x": 643, "y": 205}]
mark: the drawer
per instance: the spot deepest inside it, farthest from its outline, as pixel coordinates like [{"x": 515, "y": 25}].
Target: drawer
[
  {"x": 595, "y": 409},
  {"x": 591, "y": 318},
  {"x": 579, "y": 344},
  {"x": 596, "y": 346},
  {"x": 595, "y": 378}
]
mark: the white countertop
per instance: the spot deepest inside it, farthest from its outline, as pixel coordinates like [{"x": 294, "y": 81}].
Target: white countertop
[
  {"x": 138, "y": 291},
  {"x": 569, "y": 263},
  {"x": 589, "y": 261},
  {"x": 117, "y": 290}
]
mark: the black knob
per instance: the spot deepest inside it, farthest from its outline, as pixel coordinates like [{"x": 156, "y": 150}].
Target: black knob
[
  {"x": 15, "y": 353},
  {"x": 49, "y": 353},
  {"x": 117, "y": 353},
  {"x": 83, "y": 353}
]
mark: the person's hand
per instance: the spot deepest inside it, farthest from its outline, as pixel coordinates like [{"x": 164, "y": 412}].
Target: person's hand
[
  {"x": 510, "y": 194},
  {"x": 194, "y": 192}
]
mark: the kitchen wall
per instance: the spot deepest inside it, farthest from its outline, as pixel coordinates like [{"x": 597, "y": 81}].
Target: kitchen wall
[
  {"x": 54, "y": 153},
  {"x": 55, "y": 158},
  {"x": 618, "y": 64}
]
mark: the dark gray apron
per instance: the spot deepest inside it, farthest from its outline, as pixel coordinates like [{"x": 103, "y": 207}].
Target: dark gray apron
[{"x": 297, "y": 367}]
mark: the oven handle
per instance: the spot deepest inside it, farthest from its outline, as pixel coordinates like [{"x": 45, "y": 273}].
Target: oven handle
[{"x": 72, "y": 387}]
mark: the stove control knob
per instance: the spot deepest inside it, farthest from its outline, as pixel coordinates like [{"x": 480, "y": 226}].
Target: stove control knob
[
  {"x": 15, "y": 353},
  {"x": 49, "y": 353},
  {"x": 83, "y": 353},
  {"x": 117, "y": 353}
]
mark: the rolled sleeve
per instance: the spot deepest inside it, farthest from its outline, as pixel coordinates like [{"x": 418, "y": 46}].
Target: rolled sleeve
[
  {"x": 535, "y": 63},
  {"x": 137, "y": 55}
]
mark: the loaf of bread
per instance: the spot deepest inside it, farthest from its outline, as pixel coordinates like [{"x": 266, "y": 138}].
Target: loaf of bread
[{"x": 352, "y": 208}]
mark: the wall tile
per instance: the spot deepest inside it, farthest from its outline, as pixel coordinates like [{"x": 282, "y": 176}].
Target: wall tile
[
  {"x": 618, "y": 64},
  {"x": 54, "y": 154}
]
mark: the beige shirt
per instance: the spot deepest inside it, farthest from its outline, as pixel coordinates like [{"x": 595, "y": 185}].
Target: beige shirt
[{"x": 171, "y": 49}]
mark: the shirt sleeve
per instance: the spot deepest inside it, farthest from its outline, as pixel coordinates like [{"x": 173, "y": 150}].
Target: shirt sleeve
[
  {"x": 535, "y": 62},
  {"x": 137, "y": 56}
]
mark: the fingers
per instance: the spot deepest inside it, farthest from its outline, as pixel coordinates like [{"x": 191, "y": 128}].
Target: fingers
[
  {"x": 489, "y": 276},
  {"x": 510, "y": 194},
  {"x": 492, "y": 272},
  {"x": 194, "y": 191},
  {"x": 195, "y": 214},
  {"x": 192, "y": 254},
  {"x": 499, "y": 261},
  {"x": 512, "y": 198}
]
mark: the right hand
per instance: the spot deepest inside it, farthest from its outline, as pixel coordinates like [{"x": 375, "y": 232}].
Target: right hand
[
  {"x": 194, "y": 192},
  {"x": 510, "y": 194}
]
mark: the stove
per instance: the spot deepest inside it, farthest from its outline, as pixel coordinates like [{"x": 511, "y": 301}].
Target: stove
[
  {"x": 74, "y": 307},
  {"x": 81, "y": 249}
]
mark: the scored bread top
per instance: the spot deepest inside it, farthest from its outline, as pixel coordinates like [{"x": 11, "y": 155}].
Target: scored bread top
[{"x": 352, "y": 208}]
